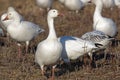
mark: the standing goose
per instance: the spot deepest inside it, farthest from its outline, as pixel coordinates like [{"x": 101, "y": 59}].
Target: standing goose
[
  {"x": 74, "y": 47},
  {"x": 49, "y": 51},
  {"x": 21, "y": 31},
  {"x": 101, "y": 23},
  {"x": 45, "y": 3}
]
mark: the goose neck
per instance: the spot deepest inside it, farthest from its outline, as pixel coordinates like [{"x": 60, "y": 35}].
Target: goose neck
[
  {"x": 98, "y": 10},
  {"x": 52, "y": 33}
]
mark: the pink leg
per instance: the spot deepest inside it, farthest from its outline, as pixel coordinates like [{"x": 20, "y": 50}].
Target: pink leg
[
  {"x": 42, "y": 70},
  {"x": 8, "y": 39},
  {"x": 19, "y": 50},
  {"x": 53, "y": 72},
  {"x": 26, "y": 51},
  {"x": 27, "y": 44}
]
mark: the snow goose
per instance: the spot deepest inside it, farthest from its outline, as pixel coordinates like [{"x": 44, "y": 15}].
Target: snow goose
[
  {"x": 49, "y": 55},
  {"x": 101, "y": 23},
  {"x": 74, "y": 47},
  {"x": 21, "y": 31},
  {"x": 75, "y": 4},
  {"x": 45, "y": 3}
]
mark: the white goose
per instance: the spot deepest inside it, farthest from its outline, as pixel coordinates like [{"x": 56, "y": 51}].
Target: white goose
[
  {"x": 75, "y": 4},
  {"x": 45, "y": 3},
  {"x": 101, "y": 23},
  {"x": 49, "y": 51},
  {"x": 21, "y": 31},
  {"x": 74, "y": 47}
]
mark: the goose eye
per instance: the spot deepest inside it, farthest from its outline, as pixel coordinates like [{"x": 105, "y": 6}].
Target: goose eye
[{"x": 53, "y": 11}]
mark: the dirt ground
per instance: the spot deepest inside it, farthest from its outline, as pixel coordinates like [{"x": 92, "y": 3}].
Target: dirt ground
[{"x": 73, "y": 24}]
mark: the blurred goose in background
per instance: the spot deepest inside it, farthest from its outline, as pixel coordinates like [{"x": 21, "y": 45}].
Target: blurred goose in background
[
  {"x": 100, "y": 23},
  {"x": 117, "y": 3},
  {"x": 49, "y": 51},
  {"x": 45, "y": 4},
  {"x": 111, "y": 3},
  {"x": 62, "y": 1},
  {"x": 74, "y": 47},
  {"x": 21, "y": 31},
  {"x": 75, "y": 4},
  {"x": 108, "y": 3},
  {"x": 5, "y": 23}
]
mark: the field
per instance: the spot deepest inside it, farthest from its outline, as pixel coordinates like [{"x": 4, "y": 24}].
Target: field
[{"x": 73, "y": 24}]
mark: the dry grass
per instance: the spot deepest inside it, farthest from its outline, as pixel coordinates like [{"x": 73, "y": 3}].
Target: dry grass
[{"x": 71, "y": 24}]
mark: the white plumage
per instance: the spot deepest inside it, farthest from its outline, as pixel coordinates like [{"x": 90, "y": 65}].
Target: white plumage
[{"x": 74, "y": 47}]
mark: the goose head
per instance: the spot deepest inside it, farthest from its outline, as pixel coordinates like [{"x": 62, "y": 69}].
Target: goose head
[
  {"x": 12, "y": 14},
  {"x": 53, "y": 13},
  {"x": 6, "y": 22}
]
